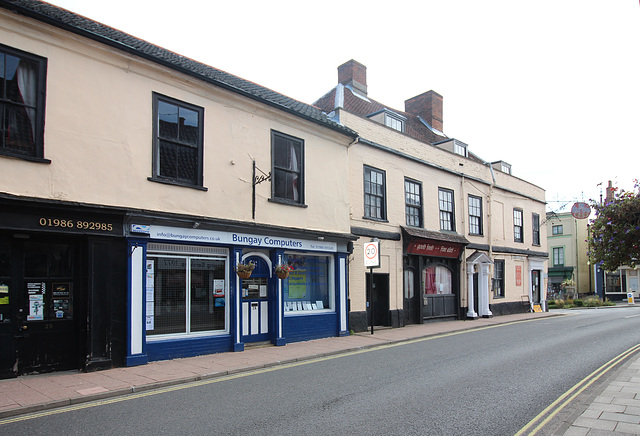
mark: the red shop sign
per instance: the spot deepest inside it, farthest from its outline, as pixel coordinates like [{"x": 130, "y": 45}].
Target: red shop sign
[{"x": 432, "y": 248}]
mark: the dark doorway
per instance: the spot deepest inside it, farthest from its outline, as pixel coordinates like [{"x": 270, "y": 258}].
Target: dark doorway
[
  {"x": 535, "y": 286},
  {"x": 44, "y": 306},
  {"x": 380, "y": 300}
]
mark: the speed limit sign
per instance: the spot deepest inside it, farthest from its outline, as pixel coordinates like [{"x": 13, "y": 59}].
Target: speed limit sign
[{"x": 372, "y": 254}]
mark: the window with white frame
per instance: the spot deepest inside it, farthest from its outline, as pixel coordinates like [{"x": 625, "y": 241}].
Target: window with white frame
[
  {"x": 394, "y": 122},
  {"x": 445, "y": 202},
  {"x": 518, "y": 235},
  {"x": 187, "y": 294},
  {"x": 558, "y": 256},
  {"x": 413, "y": 202},
  {"x": 475, "y": 215},
  {"x": 460, "y": 148},
  {"x": 310, "y": 284}
]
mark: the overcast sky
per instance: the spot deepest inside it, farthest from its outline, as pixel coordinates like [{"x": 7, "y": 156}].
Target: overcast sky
[{"x": 550, "y": 86}]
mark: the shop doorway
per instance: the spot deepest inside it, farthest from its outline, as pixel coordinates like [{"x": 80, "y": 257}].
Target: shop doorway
[
  {"x": 535, "y": 286},
  {"x": 380, "y": 300},
  {"x": 439, "y": 297},
  {"x": 42, "y": 309},
  {"x": 256, "y": 302}
]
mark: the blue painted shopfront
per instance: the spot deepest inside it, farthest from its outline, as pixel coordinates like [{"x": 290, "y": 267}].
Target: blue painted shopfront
[{"x": 186, "y": 299}]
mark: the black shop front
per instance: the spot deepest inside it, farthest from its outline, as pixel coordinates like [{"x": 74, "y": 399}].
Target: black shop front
[
  {"x": 432, "y": 262},
  {"x": 62, "y": 270}
]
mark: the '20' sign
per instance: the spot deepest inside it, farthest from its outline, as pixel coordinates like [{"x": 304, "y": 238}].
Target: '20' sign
[{"x": 372, "y": 254}]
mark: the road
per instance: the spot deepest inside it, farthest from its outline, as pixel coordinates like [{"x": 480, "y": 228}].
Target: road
[{"x": 489, "y": 381}]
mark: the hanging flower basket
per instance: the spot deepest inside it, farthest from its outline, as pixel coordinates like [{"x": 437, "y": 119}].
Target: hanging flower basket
[
  {"x": 282, "y": 271},
  {"x": 244, "y": 270}
]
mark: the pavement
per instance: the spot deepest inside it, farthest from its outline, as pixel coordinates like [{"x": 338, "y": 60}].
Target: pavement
[{"x": 613, "y": 410}]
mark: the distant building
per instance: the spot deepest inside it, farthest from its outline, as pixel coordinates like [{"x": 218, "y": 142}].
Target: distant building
[
  {"x": 569, "y": 270},
  {"x": 460, "y": 237}
]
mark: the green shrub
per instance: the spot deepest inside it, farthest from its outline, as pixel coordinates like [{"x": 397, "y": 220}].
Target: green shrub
[
  {"x": 559, "y": 304},
  {"x": 578, "y": 302}
]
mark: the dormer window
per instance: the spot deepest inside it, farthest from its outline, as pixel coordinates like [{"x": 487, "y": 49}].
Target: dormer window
[
  {"x": 460, "y": 148},
  {"x": 389, "y": 119},
  {"x": 394, "y": 122},
  {"x": 502, "y": 166}
]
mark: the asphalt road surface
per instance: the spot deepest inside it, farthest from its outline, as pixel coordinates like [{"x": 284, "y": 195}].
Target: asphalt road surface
[{"x": 489, "y": 381}]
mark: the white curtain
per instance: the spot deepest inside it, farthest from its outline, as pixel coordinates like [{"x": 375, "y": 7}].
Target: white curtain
[{"x": 27, "y": 77}]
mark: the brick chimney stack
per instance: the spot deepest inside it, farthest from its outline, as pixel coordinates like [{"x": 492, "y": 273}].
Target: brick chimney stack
[
  {"x": 609, "y": 195},
  {"x": 427, "y": 106},
  {"x": 355, "y": 74}
]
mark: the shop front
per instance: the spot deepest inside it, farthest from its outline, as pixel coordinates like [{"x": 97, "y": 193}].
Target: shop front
[
  {"x": 432, "y": 275},
  {"x": 190, "y": 292},
  {"x": 61, "y": 269}
]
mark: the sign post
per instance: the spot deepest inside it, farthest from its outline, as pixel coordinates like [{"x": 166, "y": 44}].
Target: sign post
[{"x": 371, "y": 260}]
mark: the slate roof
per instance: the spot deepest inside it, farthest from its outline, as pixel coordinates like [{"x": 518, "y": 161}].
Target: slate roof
[
  {"x": 364, "y": 106},
  {"x": 80, "y": 25}
]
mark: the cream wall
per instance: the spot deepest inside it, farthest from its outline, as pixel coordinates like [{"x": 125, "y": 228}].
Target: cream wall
[
  {"x": 98, "y": 136},
  {"x": 573, "y": 239},
  {"x": 498, "y": 200}
]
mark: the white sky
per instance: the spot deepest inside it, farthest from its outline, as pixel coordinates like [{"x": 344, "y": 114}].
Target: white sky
[{"x": 550, "y": 86}]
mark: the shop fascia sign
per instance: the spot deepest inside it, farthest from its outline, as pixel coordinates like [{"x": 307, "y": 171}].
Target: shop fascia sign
[
  {"x": 231, "y": 238},
  {"x": 434, "y": 248}
]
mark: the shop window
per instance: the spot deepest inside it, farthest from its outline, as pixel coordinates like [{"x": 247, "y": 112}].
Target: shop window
[
  {"x": 613, "y": 282},
  {"x": 309, "y": 286},
  {"x": 408, "y": 284},
  {"x": 518, "y": 235},
  {"x": 498, "y": 279},
  {"x": 437, "y": 280},
  {"x": 447, "y": 216},
  {"x": 287, "y": 154},
  {"x": 475, "y": 215},
  {"x": 413, "y": 202},
  {"x": 375, "y": 206},
  {"x": 186, "y": 294},
  {"x": 177, "y": 142},
  {"x": 22, "y": 91}
]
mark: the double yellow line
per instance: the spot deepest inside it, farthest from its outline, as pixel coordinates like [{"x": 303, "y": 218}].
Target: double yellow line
[{"x": 554, "y": 408}]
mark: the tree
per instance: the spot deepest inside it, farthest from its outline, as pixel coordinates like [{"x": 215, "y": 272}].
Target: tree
[{"x": 614, "y": 235}]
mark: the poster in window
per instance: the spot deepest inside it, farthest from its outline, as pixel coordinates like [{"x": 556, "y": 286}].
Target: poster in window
[
  {"x": 518, "y": 275},
  {"x": 297, "y": 284},
  {"x": 4, "y": 294},
  {"x": 218, "y": 288},
  {"x": 150, "y": 322},
  {"x": 36, "y": 307},
  {"x": 61, "y": 290}
]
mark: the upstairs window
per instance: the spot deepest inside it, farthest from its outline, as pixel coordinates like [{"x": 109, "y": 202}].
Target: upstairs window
[
  {"x": 518, "y": 236},
  {"x": 22, "y": 98},
  {"x": 394, "y": 122},
  {"x": 460, "y": 148},
  {"x": 374, "y": 194},
  {"x": 413, "y": 202},
  {"x": 447, "y": 217},
  {"x": 475, "y": 215},
  {"x": 178, "y": 142},
  {"x": 287, "y": 154},
  {"x": 557, "y": 230},
  {"x": 535, "y": 224}
]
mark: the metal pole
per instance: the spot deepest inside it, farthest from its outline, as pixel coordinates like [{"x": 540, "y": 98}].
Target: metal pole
[
  {"x": 253, "y": 183},
  {"x": 371, "y": 296}
]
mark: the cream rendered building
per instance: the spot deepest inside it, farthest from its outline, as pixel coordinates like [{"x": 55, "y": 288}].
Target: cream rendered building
[
  {"x": 568, "y": 260},
  {"x": 459, "y": 237},
  {"x": 135, "y": 180}
]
